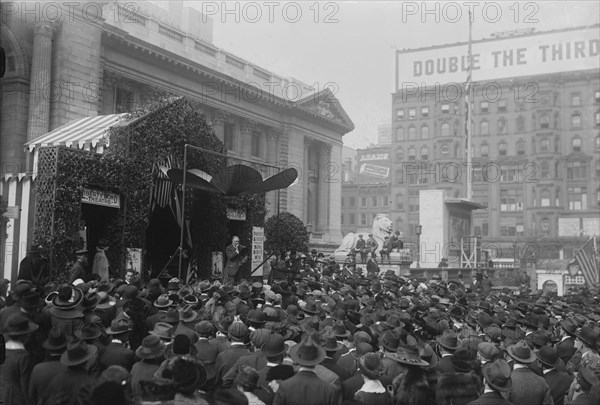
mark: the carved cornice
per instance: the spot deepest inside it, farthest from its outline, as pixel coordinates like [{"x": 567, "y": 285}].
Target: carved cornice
[
  {"x": 307, "y": 142},
  {"x": 273, "y": 134}
]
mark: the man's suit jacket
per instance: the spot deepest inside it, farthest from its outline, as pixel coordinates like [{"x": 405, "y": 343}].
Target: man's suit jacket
[
  {"x": 529, "y": 388},
  {"x": 116, "y": 354},
  {"x": 207, "y": 351},
  {"x": 40, "y": 378},
  {"x": 234, "y": 259},
  {"x": 227, "y": 358},
  {"x": 490, "y": 398},
  {"x": 307, "y": 389},
  {"x": 256, "y": 360},
  {"x": 77, "y": 271},
  {"x": 559, "y": 384},
  {"x": 349, "y": 362},
  {"x": 584, "y": 398},
  {"x": 330, "y": 364},
  {"x": 445, "y": 365},
  {"x": 566, "y": 349}
]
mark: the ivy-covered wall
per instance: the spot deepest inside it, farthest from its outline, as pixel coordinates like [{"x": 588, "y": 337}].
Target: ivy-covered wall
[{"x": 152, "y": 134}]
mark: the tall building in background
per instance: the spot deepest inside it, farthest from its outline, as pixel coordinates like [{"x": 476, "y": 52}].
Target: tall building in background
[
  {"x": 384, "y": 134},
  {"x": 535, "y": 138}
]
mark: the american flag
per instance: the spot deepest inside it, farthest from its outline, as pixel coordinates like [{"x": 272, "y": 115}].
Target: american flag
[{"x": 586, "y": 259}]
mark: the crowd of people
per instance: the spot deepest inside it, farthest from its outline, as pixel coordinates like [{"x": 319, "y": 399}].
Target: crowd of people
[{"x": 316, "y": 334}]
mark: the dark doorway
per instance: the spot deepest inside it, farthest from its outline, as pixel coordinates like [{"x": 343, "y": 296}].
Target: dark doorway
[
  {"x": 95, "y": 222},
  {"x": 162, "y": 242}
]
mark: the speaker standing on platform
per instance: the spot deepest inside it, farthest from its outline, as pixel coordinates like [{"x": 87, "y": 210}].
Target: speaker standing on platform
[{"x": 236, "y": 256}]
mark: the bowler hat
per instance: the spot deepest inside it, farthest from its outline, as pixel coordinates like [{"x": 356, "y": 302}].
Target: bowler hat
[
  {"x": 448, "y": 340},
  {"x": 370, "y": 365},
  {"x": 497, "y": 375},
  {"x": 119, "y": 326},
  {"x": 569, "y": 325},
  {"x": 521, "y": 352},
  {"x": 56, "y": 340},
  {"x": 587, "y": 335},
  {"x": 18, "y": 325},
  {"x": 152, "y": 347},
  {"x": 78, "y": 352},
  {"x": 547, "y": 355},
  {"x": 275, "y": 346},
  {"x": 307, "y": 352}
]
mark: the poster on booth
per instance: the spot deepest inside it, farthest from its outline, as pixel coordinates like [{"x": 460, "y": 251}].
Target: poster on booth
[
  {"x": 134, "y": 259},
  {"x": 217, "y": 265},
  {"x": 258, "y": 242}
]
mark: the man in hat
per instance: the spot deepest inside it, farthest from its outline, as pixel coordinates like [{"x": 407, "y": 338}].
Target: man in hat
[
  {"x": 566, "y": 347},
  {"x": 558, "y": 381},
  {"x": 34, "y": 267},
  {"x": 447, "y": 345},
  {"x": 80, "y": 267},
  {"x": 117, "y": 352},
  {"x": 386, "y": 249},
  {"x": 527, "y": 387},
  {"x": 238, "y": 332},
  {"x": 496, "y": 376},
  {"x": 306, "y": 387},
  {"x": 151, "y": 354},
  {"x": 396, "y": 242},
  {"x": 586, "y": 379},
  {"x": 235, "y": 258},
  {"x": 44, "y": 372},
  {"x": 361, "y": 247},
  {"x": 372, "y": 244}
]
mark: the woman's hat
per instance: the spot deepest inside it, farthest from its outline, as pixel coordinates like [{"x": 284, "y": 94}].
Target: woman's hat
[
  {"x": 521, "y": 352},
  {"x": 18, "y": 325},
  {"x": 448, "y": 340},
  {"x": 89, "y": 331},
  {"x": 67, "y": 298},
  {"x": 163, "y": 301},
  {"x": 56, "y": 340},
  {"x": 152, "y": 347},
  {"x": 307, "y": 352},
  {"x": 163, "y": 330},
  {"x": 105, "y": 301},
  {"x": 370, "y": 365},
  {"x": 78, "y": 352},
  {"x": 407, "y": 355},
  {"x": 497, "y": 375}
]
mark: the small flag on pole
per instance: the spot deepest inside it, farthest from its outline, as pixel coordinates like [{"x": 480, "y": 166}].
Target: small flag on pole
[{"x": 586, "y": 259}]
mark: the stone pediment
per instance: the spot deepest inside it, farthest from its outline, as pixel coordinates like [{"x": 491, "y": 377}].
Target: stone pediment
[{"x": 326, "y": 105}]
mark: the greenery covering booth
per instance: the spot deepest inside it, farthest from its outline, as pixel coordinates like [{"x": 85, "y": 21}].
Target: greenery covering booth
[{"x": 152, "y": 136}]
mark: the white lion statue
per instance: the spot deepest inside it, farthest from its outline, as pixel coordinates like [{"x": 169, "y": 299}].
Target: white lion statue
[{"x": 382, "y": 227}]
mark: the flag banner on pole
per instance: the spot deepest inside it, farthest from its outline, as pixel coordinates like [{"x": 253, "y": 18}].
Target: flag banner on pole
[{"x": 586, "y": 259}]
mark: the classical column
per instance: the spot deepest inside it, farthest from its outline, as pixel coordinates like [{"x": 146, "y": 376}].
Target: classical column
[
  {"x": 323, "y": 186},
  {"x": 272, "y": 158},
  {"x": 306, "y": 183},
  {"x": 217, "y": 121},
  {"x": 39, "y": 99},
  {"x": 246, "y": 128}
]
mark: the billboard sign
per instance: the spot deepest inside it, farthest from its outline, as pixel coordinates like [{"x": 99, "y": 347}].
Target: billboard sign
[{"x": 374, "y": 164}]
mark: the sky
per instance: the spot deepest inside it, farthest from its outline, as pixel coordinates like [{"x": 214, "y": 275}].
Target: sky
[{"x": 349, "y": 46}]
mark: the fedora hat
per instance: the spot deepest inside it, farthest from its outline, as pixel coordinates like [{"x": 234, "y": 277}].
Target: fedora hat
[
  {"x": 163, "y": 301},
  {"x": 548, "y": 356},
  {"x": 119, "y": 326},
  {"x": 89, "y": 331},
  {"x": 311, "y": 307},
  {"x": 463, "y": 360},
  {"x": 275, "y": 346},
  {"x": 67, "y": 298},
  {"x": 30, "y": 300},
  {"x": 448, "y": 340},
  {"x": 56, "y": 340},
  {"x": 587, "y": 335},
  {"x": 163, "y": 330},
  {"x": 488, "y": 350},
  {"x": 105, "y": 301},
  {"x": 569, "y": 325},
  {"x": 18, "y": 325},
  {"x": 587, "y": 376},
  {"x": 521, "y": 352},
  {"x": 172, "y": 316},
  {"x": 497, "y": 375},
  {"x": 331, "y": 344},
  {"x": 307, "y": 352},
  {"x": 187, "y": 314},
  {"x": 426, "y": 353},
  {"x": 407, "y": 355},
  {"x": 370, "y": 365},
  {"x": 78, "y": 352},
  {"x": 340, "y": 330},
  {"x": 90, "y": 300}
]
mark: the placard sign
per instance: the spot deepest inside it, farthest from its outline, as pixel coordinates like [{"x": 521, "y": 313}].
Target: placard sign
[
  {"x": 258, "y": 242},
  {"x": 103, "y": 198},
  {"x": 134, "y": 259},
  {"x": 236, "y": 214},
  {"x": 217, "y": 265}
]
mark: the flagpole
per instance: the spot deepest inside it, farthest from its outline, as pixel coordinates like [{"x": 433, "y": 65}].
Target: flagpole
[{"x": 469, "y": 123}]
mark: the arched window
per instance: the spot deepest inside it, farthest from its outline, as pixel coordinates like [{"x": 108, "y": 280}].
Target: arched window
[
  {"x": 484, "y": 128},
  {"x": 485, "y": 150},
  {"x": 424, "y": 153},
  {"x": 424, "y": 132},
  {"x": 520, "y": 123},
  {"x": 445, "y": 129},
  {"x": 545, "y": 145},
  {"x": 544, "y": 122},
  {"x": 545, "y": 198},
  {"x": 399, "y": 153},
  {"x": 502, "y": 126},
  {"x": 576, "y": 144},
  {"x": 502, "y": 148},
  {"x": 444, "y": 150},
  {"x": 412, "y": 153},
  {"x": 520, "y": 147},
  {"x": 412, "y": 133},
  {"x": 399, "y": 134},
  {"x": 545, "y": 170},
  {"x": 545, "y": 225}
]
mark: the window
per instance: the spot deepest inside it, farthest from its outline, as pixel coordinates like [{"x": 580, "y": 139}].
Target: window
[
  {"x": 124, "y": 100},
  {"x": 520, "y": 124},
  {"x": 484, "y": 229},
  {"x": 502, "y": 105},
  {"x": 544, "y": 122},
  {"x": 576, "y": 120},
  {"x": 424, "y": 153},
  {"x": 255, "y": 144},
  {"x": 575, "y": 99},
  {"x": 229, "y": 136},
  {"x": 352, "y": 202},
  {"x": 399, "y": 134},
  {"x": 412, "y": 113},
  {"x": 598, "y": 169},
  {"x": 343, "y": 201},
  {"x": 412, "y": 154},
  {"x": 511, "y": 200},
  {"x": 424, "y": 112},
  {"x": 545, "y": 170},
  {"x": 508, "y": 175},
  {"x": 399, "y": 201},
  {"x": 363, "y": 202},
  {"x": 485, "y": 150},
  {"x": 545, "y": 225},
  {"x": 484, "y": 106},
  {"x": 445, "y": 108},
  {"x": 444, "y": 150},
  {"x": 501, "y": 126},
  {"x": 484, "y": 128},
  {"x": 545, "y": 145},
  {"x": 412, "y": 133},
  {"x": 363, "y": 219},
  {"x": 352, "y": 218},
  {"x": 520, "y": 147},
  {"x": 597, "y": 143},
  {"x": 400, "y": 114},
  {"x": 413, "y": 201},
  {"x": 577, "y": 197},
  {"x": 545, "y": 198},
  {"x": 386, "y": 201},
  {"x": 411, "y": 178},
  {"x": 576, "y": 170},
  {"x": 399, "y": 154},
  {"x": 374, "y": 201},
  {"x": 576, "y": 144},
  {"x": 502, "y": 147},
  {"x": 445, "y": 129},
  {"x": 424, "y": 132}
]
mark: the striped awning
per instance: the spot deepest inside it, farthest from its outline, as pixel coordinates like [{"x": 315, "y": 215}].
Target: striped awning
[{"x": 78, "y": 133}]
